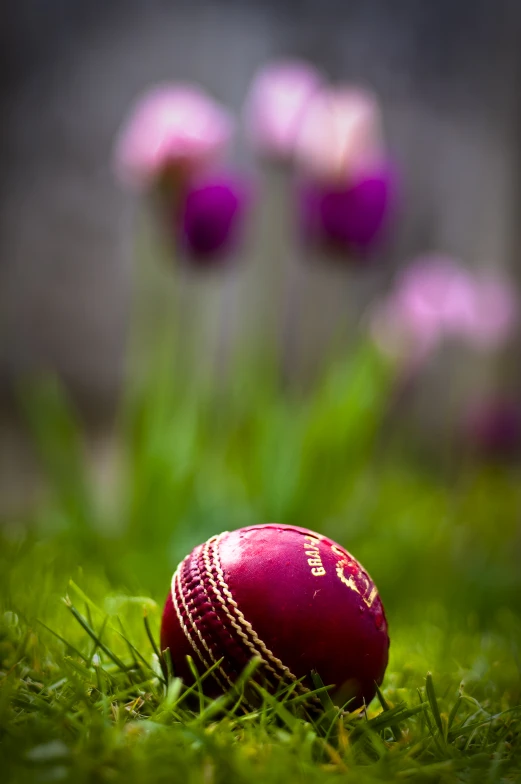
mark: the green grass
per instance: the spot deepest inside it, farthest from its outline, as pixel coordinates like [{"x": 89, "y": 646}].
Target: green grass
[{"x": 83, "y": 697}]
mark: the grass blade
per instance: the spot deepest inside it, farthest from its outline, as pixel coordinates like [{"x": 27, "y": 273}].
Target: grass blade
[{"x": 81, "y": 620}]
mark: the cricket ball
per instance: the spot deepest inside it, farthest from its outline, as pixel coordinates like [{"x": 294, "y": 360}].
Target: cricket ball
[{"x": 291, "y": 597}]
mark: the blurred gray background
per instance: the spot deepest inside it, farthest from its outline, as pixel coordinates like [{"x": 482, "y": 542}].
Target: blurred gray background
[{"x": 448, "y": 74}]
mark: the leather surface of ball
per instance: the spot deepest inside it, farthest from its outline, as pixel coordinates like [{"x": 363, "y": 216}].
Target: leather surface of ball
[{"x": 290, "y": 596}]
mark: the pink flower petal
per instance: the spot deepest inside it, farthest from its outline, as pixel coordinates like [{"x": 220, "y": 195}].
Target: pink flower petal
[
  {"x": 273, "y": 110},
  {"x": 171, "y": 126},
  {"x": 341, "y": 134},
  {"x": 436, "y": 297},
  {"x": 495, "y": 314},
  {"x": 436, "y": 290}
]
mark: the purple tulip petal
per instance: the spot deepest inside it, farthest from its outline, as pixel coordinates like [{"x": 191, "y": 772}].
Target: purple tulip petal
[
  {"x": 352, "y": 218},
  {"x": 493, "y": 429},
  {"x": 211, "y": 219}
]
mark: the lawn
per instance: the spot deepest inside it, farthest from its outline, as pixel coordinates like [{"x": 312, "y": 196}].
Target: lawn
[{"x": 83, "y": 697}]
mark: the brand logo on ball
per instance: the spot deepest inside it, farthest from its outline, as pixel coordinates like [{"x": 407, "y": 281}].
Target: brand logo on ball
[
  {"x": 349, "y": 573},
  {"x": 313, "y": 553}
]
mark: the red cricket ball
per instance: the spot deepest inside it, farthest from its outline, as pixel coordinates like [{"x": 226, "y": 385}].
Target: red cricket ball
[{"x": 288, "y": 595}]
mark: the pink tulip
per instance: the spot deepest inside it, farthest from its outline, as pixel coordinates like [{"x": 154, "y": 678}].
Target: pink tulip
[
  {"x": 277, "y": 100},
  {"x": 173, "y": 128},
  {"x": 340, "y": 135},
  {"x": 495, "y": 312},
  {"x": 435, "y": 298}
]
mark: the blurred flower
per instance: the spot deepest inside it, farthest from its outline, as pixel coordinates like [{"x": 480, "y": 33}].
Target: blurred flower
[
  {"x": 277, "y": 100},
  {"x": 172, "y": 130},
  {"x": 436, "y": 297},
  {"x": 211, "y": 218},
  {"x": 495, "y": 312},
  {"x": 340, "y": 135},
  {"x": 349, "y": 218},
  {"x": 492, "y": 428}
]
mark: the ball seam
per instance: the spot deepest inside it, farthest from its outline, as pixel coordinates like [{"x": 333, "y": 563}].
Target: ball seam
[
  {"x": 182, "y": 582},
  {"x": 270, "y": 656},
  {"x": 176, "y": 581},
  {"x": 179, "y": 614},
  {"x": 202, "y": 576},
  {"x": 243, "y": 636}
]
